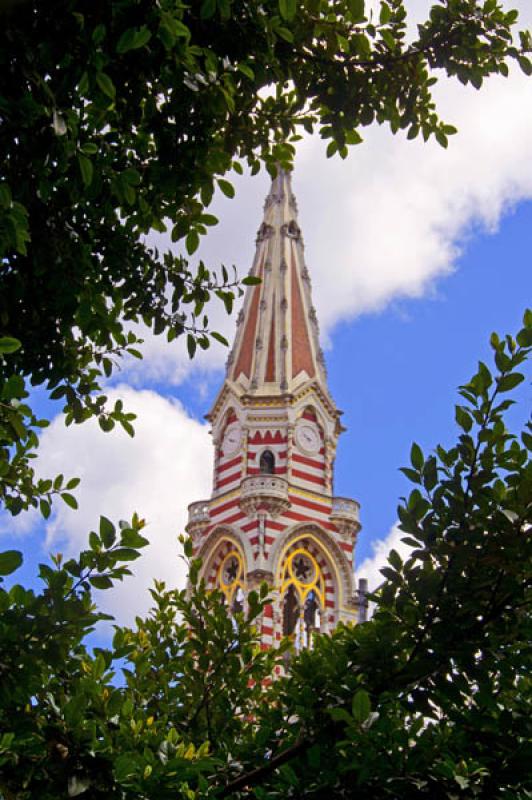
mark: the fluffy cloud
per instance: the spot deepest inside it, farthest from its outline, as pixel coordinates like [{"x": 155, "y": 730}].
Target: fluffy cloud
[
  {"x": 370, "y": 568},
  {"x": 402, "y": 210},
  {"x": 165, "y": 467}
]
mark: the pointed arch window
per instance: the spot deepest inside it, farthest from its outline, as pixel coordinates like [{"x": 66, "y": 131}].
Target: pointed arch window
[
  {"x": 303, "y": 598},
  {"x": 267, "y": 463},
  {"x": 231, "y": 581}
]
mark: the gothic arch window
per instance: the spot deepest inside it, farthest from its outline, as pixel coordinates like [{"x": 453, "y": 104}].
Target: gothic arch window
[
  {"x": 302, "y": 597},
  {"x": 267, "y": 463},
  {"x": 227, "y": 574},
  {"x": 231, "y": 580}
]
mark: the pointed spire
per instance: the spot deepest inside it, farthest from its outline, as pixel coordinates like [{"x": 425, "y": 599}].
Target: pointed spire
[{"x": 276, "y": 347}]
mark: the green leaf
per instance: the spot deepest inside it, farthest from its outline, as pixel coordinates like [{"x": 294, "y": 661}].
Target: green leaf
[
  {"x": 191, "y": 345},
  {"x": 287, "y": 9},
  {"x": 361, "y": 706},
  {"x": 356, "y": 9},
  {"x": 220, "y": 338},
  {"x": 340, "y": 715},
  {"x": 525, "y": 64},
  {"x": 208, "y": 9},
  {"x": 226, "y": 187},
  {"x": 8, "y": 344},
  {"x": 416, "y": 456},
  {"x": 288, "y": 36},
  {"x": 85, "y": 168},
  {"x": 101, "y": 582},
  {"x": 246, "y": 70},
  {"x": 106, "y": 84},
  {"x": 5, "y": 195},
  {"x": 385, "y": 14},
  {"x": 411, "y": 474},
  {"x": 10, "y": 560},
  {"x": 192, "y": 242},
  {"x": 332, "y": 147},
  {"x": 69, "y": 499},
  {"x": 125, "y": 554},
  {"x": 463, "y": 419},
  {"x": 508, "y": 382},
  {"x": 46, "y": 508},
  {"x": 132, "y": 39}
]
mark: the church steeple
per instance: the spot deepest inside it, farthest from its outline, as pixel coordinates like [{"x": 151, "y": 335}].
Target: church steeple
[
  {"x": 272, "y": 515},
  {"x": 277, "y": 347}
]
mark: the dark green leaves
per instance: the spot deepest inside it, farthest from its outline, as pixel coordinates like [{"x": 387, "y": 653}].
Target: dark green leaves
[
  {"x": 8, "y": 345},
  {"x": 508, "y": 382},
  {"x": 107, "y": 532},
  {"x": 10, "y": 560},
  {"x": 356, "y": 10},
  {"x": 86, "y": 169},
  {"x": 106, "y": 84},
  {"x": 192, "y": 242},
  {"x": 69, "y": 499},
  {"x": 226, "y": 187},
  {"x": 416, "y": 456},
  {"x": 463, "y": 418},
  {"x": 361, "y": 706},
  {"x": 133, "y": 39},
  {"x": 287, "y": 9}
]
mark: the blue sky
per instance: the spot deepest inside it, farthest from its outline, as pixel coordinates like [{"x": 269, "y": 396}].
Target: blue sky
[{"x": 416, "y": 255}]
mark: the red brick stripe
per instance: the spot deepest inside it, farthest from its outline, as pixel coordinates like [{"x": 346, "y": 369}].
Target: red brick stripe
[
  {"x": 306, "y": 477},
  {"x": 310, "y": 462},
  {"x": 220, "y": 509},
  {"x": 235, "y": 476},
  {"x": 228, "y": 464},
  {"x": 299, "y": 501}
]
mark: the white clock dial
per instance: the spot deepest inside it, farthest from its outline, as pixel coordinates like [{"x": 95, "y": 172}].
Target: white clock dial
[
  {"x": 308, "y": 437},
  {"x": 232, "y": 439}
]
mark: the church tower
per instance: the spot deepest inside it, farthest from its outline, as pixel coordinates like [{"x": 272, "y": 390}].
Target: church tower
[{"x": 272, "y": 515}]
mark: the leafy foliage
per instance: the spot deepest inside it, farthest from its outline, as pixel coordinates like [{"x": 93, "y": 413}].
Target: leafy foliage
[
  {"x": 429, "y": 699},
  {"x": 121, "y": 118}
]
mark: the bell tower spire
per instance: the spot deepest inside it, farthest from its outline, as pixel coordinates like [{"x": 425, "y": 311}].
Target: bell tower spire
[
  {"x": 277, "y": 348},
  {"x": 273, "y": 515}
]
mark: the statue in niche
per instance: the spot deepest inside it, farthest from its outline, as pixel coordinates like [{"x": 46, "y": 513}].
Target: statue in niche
[{"x": 267, "y": 463}]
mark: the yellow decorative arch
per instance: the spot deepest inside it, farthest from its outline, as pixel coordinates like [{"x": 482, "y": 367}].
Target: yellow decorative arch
[
  {"x": 231, "y": 574},
  {"x": 303, "y": 534},
  {"x": 304, "y": 581}
]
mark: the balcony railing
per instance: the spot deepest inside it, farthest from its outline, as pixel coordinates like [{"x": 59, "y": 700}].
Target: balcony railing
[
  {"x": 198, "y": 515},
  {"x": 264, "y": 491},
  {"x": 345, "y": 514}
]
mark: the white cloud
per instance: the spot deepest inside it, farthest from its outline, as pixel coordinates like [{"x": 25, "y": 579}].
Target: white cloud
[
  {"x": 392, "y": 218},
  {"x": 166, "y": 466},
  {"x": 371, "y": 566}
]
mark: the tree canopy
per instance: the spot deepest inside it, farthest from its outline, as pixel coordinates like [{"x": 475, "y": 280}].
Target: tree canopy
[
  {"x": 429, "y": 699},
  {"x": 121, "y": 118}
]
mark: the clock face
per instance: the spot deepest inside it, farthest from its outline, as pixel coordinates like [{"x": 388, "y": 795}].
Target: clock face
[
  {"x": 232, "y": 439},
  {"x": 308, "y": 437}
]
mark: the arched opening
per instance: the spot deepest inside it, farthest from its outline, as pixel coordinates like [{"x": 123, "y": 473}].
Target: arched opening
[
  {"x": 267, "y": 463},
  {"x": 290, "y": 612},
  {"x": 303, "y": 598},
  {"x": 292, "y": 229}
]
